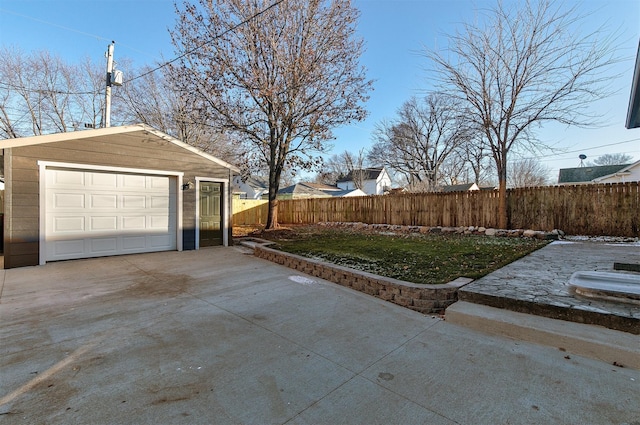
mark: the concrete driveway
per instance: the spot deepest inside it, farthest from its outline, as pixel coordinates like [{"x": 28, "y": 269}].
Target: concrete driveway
[{"x": 217, "y": 336}]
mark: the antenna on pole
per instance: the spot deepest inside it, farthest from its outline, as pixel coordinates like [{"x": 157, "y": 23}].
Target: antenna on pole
[{"x": 582, "y": 158}]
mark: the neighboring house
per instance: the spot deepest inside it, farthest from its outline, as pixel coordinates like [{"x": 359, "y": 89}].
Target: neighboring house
[
  {"x": 316, "y": 190},
  {"x": 460, "y": 188},
  {"x": 374, "y": 181},
  {"x": 251, "y": 187},
  {"x": 630, "y": 173},
  {"x": 335, "y": 191},
  {"x": 111, "y": 191},
  {"x": 323, "y": 187},
  {"x": 600, "y": 174},
  {"x": 301, "y": 191},
  {"x": 346, "y": 193}
]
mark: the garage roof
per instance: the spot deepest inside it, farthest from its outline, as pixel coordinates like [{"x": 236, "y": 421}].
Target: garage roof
[{"x": 136, "y": 131}]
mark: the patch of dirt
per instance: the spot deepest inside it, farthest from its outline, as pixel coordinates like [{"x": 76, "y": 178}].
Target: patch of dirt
[
  {"x": 158, "y": 284},
  {"x": 244, "y": 231},
  {"x": 283, "y": 233}
]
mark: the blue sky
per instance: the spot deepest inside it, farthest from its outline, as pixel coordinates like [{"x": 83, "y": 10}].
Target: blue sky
[{"x": 395, "y": 34}]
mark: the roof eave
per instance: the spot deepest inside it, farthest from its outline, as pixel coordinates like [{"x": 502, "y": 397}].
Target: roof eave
[
  {"x": 633, "y": 113},
  {"x": 109, "y": 131},
  {"x": 69, "y": 135}
]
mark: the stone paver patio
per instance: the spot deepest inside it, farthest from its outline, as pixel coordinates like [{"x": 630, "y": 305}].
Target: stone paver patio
[{"x": 538, "y": 284}]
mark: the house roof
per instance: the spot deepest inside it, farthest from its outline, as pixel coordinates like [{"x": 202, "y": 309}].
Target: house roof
[
  {"x": 302, "y": 189},
  {"x": 460, "y": 187},
  {"x": 624, "y": 170},
  {"x": 343, "y": 193},
  {"x": 368, "y": 174},
  {"x": 138, "y": 132},
  {"x": 587, "y": 174},
  {"x": 257, "y": 182},
  {"x": 322, "y": 186}
]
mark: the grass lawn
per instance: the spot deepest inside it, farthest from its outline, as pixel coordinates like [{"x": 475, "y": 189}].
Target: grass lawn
[{"x": 417, "y": 258}]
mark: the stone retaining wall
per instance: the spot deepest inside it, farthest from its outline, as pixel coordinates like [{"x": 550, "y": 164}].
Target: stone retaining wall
[
  {"x": 426, "y": 299},
  {"x": 466, "y": 230}
]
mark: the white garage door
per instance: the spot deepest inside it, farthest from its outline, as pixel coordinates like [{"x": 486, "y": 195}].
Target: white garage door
[{"x": 94, "y": 214}]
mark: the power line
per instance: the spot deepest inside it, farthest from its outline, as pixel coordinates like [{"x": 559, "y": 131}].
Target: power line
[
  {"x": 54, "y": 25},
  {"x": 13, "y": 86},
  {"x": 97, "y": 37},
  {"x": 601, "y": 146},
  {"x": 554, "y": 156},
  {"x": 188, "y": 52},
  {"x": 199, "y": 46}
]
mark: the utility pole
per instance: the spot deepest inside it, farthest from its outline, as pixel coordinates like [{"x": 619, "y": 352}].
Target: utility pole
[{"x": 107, "y": 102}]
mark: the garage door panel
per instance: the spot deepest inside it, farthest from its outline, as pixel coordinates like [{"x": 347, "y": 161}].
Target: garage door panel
[
  {"x": 160, "y": 241},
  {"x": 101, "y": 200},
  {"x": 161, "y": 202},
  {"x": 154, "y": 182},
  {"x": 92, "y": 214},
  {"x": 134, "y": 201},
  {"x": 68, "y": 224},
  {"x": 68, "y": 200},
  {"x": 134, "y": 223},
  {"x": 64, "y": 178},
  {"x": 69, "y": 248},
  {"x": 103, "y": 246},
  {"x": 158, "y": 222},
  {"x": 101, "y": 224},
  {"x": 134, "y": 243},
  {"x": 133, "y": 181},
  {"x": 102, "y": 180}
]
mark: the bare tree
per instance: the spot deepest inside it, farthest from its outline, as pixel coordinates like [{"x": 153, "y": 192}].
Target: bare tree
[
  {"x": 342, "y": 165},
  {"x": 333, "y": 168},
  {"x": 42, "y": 94},
  {"x": 91, "y": 83},
  {"x": 152, "y": 99},
  {"x": 527, "y": 172},
  {"x": 416, "y": 144},
  {"x": 613, "y": 159},
  {"x": 525, "y": 66},
  {"x": 475, "y": 155},
  {"x": 355, "y": 165},
  {"x": 282, "y": 75}
]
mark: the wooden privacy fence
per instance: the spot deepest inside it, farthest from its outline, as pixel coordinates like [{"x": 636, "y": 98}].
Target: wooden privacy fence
[
  {"x": 603, "y": 209},
  {"x": 249, "y": 212},
  {"x": 595, "y": 209},
  {"x": 413, "y": 209}
]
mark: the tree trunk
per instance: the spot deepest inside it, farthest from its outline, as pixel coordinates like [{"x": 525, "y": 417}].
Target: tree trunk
[
  {"x": 272, "y": 216},
  {"x": 502, "y": 204},
  {"x": 501, "y": 165},
  {"x": 274, "y": 184}
]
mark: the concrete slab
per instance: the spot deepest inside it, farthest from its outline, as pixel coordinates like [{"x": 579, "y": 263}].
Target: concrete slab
[
  {"x": 596, "y": 342},
  {"x": 218, "y": 336}
]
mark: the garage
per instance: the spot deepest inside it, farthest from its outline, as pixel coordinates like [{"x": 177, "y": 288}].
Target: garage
[
  {"x": 111, "y": 191},
  {"x": 98, "y": 213}
]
